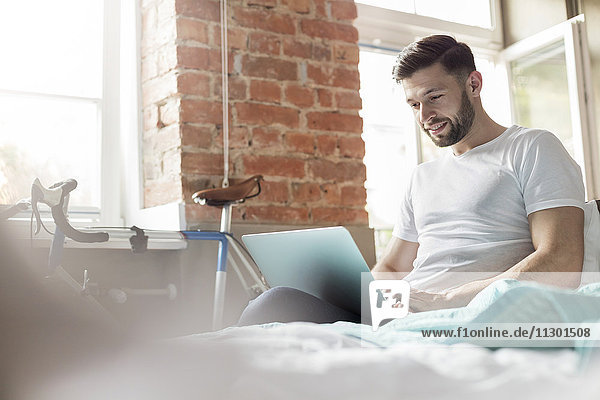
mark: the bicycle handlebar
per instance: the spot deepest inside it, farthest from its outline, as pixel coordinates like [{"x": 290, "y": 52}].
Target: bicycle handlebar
[
  {"x": 55, "y": 198},
  {"x": 70, "y": 232},
  {"x": 67, "y": 186},
  {"x": 14, "y": 210}
]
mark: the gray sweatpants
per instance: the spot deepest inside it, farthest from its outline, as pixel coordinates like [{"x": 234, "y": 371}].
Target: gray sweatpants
[{"x": 285, "y": 304}]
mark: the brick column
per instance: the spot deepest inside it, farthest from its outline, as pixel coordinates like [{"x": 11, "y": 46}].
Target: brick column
[
  {"x": 161, "y": 102},
  {"x": 293, "y": 98}
]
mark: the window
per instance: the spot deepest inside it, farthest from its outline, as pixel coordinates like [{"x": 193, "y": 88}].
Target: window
[
  {"x": 454, "y": 11},
  {"x": 389, "y": 136},
  {"x": 58, "y": 85},
  {"x": 550, "y": 88}
]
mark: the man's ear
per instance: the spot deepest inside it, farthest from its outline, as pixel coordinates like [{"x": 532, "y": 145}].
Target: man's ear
[{"x": 474, "y": 83}]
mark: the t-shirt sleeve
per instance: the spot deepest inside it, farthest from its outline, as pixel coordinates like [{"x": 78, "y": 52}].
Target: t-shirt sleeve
[
  {"x": 549, "y": 176},
  {"x": 405, "y": 225}
]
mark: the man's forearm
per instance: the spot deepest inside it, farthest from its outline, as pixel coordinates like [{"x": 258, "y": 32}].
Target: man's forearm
[
  {"x": 386, "y": 271},
  {"x": 557, "y": 268},
  {"x": 557, "y": 237},
  {"x": 397, "y": 261}
]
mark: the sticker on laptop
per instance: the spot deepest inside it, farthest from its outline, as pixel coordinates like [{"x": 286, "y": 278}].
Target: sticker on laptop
[{"x": 388, "y": 299}]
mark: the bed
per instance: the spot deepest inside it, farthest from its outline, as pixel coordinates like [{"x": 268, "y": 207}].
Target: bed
[{"x": 351, "y": 361}]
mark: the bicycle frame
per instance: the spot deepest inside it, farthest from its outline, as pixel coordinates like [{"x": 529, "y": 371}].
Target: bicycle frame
[
  {"x": 55, "y": 270},
  {"x": 223, "y": 256},
  {"x": 57, "y": 197}
]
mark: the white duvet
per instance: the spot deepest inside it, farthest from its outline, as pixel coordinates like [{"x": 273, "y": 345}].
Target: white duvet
[
  {"x": 309, "y": 361},
  {"x": 330, "y": 361}
]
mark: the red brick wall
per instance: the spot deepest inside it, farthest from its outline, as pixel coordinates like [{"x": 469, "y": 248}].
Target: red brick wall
[{"x": 294, "y": 101}]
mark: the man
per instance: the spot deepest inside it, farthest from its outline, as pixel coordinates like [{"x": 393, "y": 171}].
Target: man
[{"x": 503, "y": 203}]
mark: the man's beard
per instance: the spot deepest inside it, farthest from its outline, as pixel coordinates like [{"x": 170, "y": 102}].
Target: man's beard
[{"x": 458, "y": 129}]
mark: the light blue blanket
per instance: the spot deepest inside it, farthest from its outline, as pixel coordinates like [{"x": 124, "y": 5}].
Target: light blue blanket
[{"x": 503, "y": 302}]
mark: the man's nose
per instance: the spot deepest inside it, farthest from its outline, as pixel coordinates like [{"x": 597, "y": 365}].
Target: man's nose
[{"x": 425, "y": 114}]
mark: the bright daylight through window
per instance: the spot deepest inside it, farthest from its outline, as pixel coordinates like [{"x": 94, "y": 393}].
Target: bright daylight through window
[
  {"x": 51, "y": 82},
  {"x": 467, "y": 12}
]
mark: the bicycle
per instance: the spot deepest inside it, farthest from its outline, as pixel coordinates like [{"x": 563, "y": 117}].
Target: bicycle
[
  {"x": 226, "y": 198},
  {"x": 57, "y": 198}
]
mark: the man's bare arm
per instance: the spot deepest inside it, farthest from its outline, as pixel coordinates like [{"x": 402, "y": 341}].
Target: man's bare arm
[
  {"x": 557, "y": 236},
  {"x": 398, "y": 258}
]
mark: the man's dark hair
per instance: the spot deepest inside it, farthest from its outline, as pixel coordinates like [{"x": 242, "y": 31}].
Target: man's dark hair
[{"x": 455, "y": 57}]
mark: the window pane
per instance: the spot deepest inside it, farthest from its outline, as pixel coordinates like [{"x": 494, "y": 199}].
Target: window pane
[
  {"x": 468, "y": 12},
  {"x": 541, "y": 94},
  {"x": 406, "y": 6},
  {"x": 50, "y": 139},
  {"x": 52, "y": 46},
  {"x": 389, "y": 135}
]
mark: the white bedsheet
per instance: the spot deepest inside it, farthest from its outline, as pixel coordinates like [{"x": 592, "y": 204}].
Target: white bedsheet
[{"x": 308, "y": 361}]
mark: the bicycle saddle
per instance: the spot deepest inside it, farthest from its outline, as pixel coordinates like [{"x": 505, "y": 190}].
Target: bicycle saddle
[{"x": 236, "y": 193}]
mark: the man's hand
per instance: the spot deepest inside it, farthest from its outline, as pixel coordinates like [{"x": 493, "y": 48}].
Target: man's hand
[{"x": 426, "y": 301}]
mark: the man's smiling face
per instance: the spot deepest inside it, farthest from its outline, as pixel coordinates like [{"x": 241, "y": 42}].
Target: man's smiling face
[{"x": 440, "y": 104}]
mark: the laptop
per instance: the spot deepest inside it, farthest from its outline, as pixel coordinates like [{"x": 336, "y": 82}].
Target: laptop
[{"x": 324, "y": 262}]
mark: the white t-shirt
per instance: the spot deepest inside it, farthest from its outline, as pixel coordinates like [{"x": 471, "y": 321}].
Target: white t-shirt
[{"x": 469, "y": 212}]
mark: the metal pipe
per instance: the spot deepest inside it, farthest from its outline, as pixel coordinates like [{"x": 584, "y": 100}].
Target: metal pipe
[{"x": 225, "y": 92}]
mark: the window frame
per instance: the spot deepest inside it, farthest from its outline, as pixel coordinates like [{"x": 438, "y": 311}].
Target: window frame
[
  {"x": 380, "y": 27},
  {"x": 583, "y": 123},
  {"x": 110, "y": 188},
  {"x": 120, "y": 123},
  {"x": 108, "y": 107}
]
